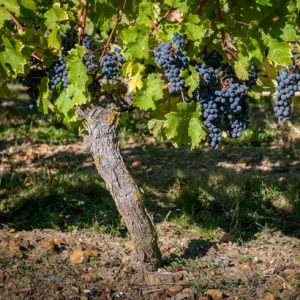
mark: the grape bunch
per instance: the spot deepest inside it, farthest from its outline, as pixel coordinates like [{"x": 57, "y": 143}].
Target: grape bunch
[
  {"x": 59, "y": 73},
  {"x": 173, "y": 61},
  {"x": 111, "y": 63},
  {"x": 232, "y": 97},
  {"x": 69, "y": 39},
  {"x": 205, "y": 94},
  {"x": 226, "y": 103},
  {"x": 33, "y": 79},
  {"x": 213, "y": 59},
  {"x": 287, "y": 85},
  {"x": 253, "y": 75},
  {"x": 89, "y": 58}
]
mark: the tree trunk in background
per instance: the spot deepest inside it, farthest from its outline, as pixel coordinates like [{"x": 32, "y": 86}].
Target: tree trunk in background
[{"x": 101, "y": 123}]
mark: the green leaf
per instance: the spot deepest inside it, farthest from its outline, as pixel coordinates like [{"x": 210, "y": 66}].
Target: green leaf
[
  {"x": 4, "y": 90},
  {"x": 134, "y": 72},
  {"x": 53, "y": 16},
  {"x": 4, "y": 15},
  {"x": 241, "y": 67},
  {"x": 177, "y": 126},
  {"x": 29, "y": 4},
  {"x": 77, "y": 70},
  {"x": 11, "y": 58},
  {"x": 156, "y": 127},
  {"x": 145, "y": 99},
  {"x": 191, "y": 78},
  {"x": 43, "y": 100},
  {"x": 264, "y": 2},
  {"x": 193, "y": 30},
  {"x": 279, "y": 51},
  {"x": 289, "y": 33},
  {"x": 12, "y": 6},
  {"x": 155, "y": 87},
  {"x": 196, "y": 132}
]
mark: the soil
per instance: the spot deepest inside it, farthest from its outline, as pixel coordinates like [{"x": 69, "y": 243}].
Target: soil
[
  {"x": 82, "y": 264},
  {"x": 50, "y": 264}
]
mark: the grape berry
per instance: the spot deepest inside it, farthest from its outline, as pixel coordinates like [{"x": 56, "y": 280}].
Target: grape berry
[
  {"x": 287, "y": 85},
  {"x": 111, "y": 63},
  {"x": 173, "y": 61}
]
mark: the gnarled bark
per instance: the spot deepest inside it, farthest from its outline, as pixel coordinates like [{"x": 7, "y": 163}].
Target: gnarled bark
[{"x": 101, "y": 123}]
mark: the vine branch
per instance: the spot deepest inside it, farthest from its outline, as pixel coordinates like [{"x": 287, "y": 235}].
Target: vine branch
[
  {"x": 201, "y": 7},
  {"x": 18, "y": 24},
  {"x": 118, "y": 19},
  {"x": 155, "y": 25},
  {"x": 83, "y": 19}
]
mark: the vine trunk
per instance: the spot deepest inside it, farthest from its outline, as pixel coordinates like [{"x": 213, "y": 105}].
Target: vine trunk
[{"x": 101, "y": 124}]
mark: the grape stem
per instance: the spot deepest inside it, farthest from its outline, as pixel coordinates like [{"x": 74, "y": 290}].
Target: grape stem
[
  {"x": 118, "y": 19},
  {"x": 225, "y": 46},
  {"x": 201, "y": 7},
  {"x": 154, "y": 26},
  {"x": 18, "y": 24},
  {"x": 83, "y": 18}
]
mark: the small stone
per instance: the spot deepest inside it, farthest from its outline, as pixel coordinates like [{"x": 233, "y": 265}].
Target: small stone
[
  {"x": 135, "y": 164},
  {"x": 256, "y": 260},
  {"x": 178, "y": 276},
  {"x": 247, "y": 266},
  {"x": 203, "y": 298},
  {"x": 215, "y": 294},
  {"x": 290, "y": 273},
  {"x": 2, "y": 276},
  {"x": 84, "y": 298},
  {"x": 174, "y": 289},
  {"x": 226, "y": 238},
  {"x": 89, "y": 276},
  {"x": 48, "y": 246},
  {"x": 54, "y": 288},
  {"x": 125, "y": 259},
  {"x": 270, "y": 296},
  {"x": 78, "y": 256},
  {"x": 14, "y": 249}
]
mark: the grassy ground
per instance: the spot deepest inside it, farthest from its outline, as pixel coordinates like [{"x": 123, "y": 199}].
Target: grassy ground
[{"x": 247, "y": 188}]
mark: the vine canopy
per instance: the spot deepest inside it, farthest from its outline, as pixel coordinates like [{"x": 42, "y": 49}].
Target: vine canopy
[{"x": 33, "y": 37}]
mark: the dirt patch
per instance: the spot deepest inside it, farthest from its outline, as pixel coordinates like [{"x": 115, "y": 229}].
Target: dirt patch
[{"x": 50, "y": 264}]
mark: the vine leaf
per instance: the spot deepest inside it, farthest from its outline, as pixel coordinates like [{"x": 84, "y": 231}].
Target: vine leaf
[
  {"x": 12, "y": 6},
  {"x": 240, "y": 67},
  {"x": 191, "y": 79},
  {"x": 53, "y": 16},
  {"x": 4, "y": 15},
  {"x": 11, "y": 58},
  {"x": 183, "y": 124},
  {"x": 43, "y": 102},
  {"x": 279, "y": 51},
  {"x": 145, "y": 99}
]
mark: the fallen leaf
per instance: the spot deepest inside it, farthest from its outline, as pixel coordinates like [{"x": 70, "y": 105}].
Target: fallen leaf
[
  {"x": 14, "y": 249},
  {"x": 270, "y": 296},
  {"x": 89, "y": 276},
  {"x": 247, "y": 266},
  {"x": 215, "y": 294},
  {"x": 78, "y": 256},
  {"x": 174, "y": 289}
]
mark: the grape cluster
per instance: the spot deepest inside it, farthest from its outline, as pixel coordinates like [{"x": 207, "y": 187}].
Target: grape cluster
[
  {"x": 287, "y": 85},
  {"x": 59, "y": 73},
  {"x": 213, "y": 59},
  {"x": 253, "y": 75},
  {"x": 205, "y": 94},
  {"x": 89, "y": 58},
  {"x": 232, "y": 97},
  {"x": 227, "y": 102},
  {"x": 111, "y": 63},
  {"x": 69, "y": 39},
  {"x": 32, "y": 80},
  {"x": 173, "y": 60}
]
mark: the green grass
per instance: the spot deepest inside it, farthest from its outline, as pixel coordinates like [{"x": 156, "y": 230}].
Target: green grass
[{"x": 211, "y": 202}]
